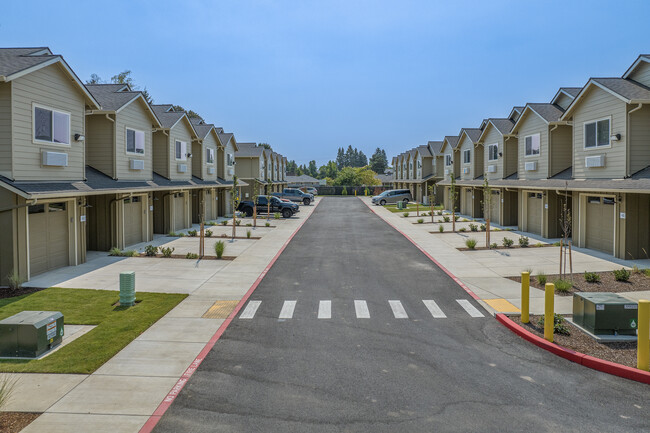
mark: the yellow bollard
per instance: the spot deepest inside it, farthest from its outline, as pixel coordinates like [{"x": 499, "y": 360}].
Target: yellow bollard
[
  {"x": 643, "y": 336},
  {"x": 549, "y": 309},
  {"x": 525, "y": 297}
]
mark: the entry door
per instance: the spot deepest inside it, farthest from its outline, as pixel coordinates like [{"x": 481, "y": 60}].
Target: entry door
[
  {"x": 599, "y": 226},
  {"x": 495, "y": 206},
  {"x": 179, "y": 211},
  {"x": 208, "y": 205},
  {"x": 49, "y": 244},
  {"x": 467, "y": 210},
  {"x": 133, "y": 215},
  {"x": 534, "y": 212}
]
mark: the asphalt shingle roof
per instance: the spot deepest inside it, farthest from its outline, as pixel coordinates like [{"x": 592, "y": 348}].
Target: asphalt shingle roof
[
  {"x": 110, "y": 97},
  {"x": 167, "y": 118},
  {"x": 504, "y": 126},
  {"x": 225, "y": 137},
  {"x": 626, "y": 88},
  {"x": 452, "y": 140},
  {"x": 13, "y": 60},
  {"x": 435, "y": 146},
  {"x": 473, "y": 133},
  {"x": 248, "y": 150},
  {"x": 573, "y": 91},
  {"x": 202, "y": 129},
  {"x": 424, "y": 150},
  {"x": 548, "y": 112},
  {"x": 301, "y": 178}
]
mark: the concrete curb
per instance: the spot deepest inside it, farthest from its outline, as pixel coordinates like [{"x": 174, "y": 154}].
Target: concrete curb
[
  {"x": 577, "y": 357},
  {"x": 180, "y": 384}
]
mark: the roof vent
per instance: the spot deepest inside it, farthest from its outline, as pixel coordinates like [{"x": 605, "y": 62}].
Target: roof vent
[
  {"x": 136, "y": 164},
  {"x": 595, "y": 161},
  {"x": 55, "y": 159},
  {"x": 531, "y": 166}
]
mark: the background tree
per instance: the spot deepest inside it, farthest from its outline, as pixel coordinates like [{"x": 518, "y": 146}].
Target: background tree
[
  {"x": 340, "y": 158},
  {"x": 124, "y": 77},
  {"x": 292, "y": 168},
  {"x": 95, "y": 79},
  {"x": 312, "y": 170},
  {"x": 190, "y": 113},
  {"x": 378, "y": 161},
  {"x": 265, "y": 146},
  {"x": 329, "y": 170},
  {"x": 362, "y": 159}
]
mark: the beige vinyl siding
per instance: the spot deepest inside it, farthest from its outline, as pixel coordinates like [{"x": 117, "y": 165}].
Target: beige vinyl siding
[
  {"x": 463, "y": 145},
  {"x": 183, "y": 132},
  {"x": 49, "y": 87},
  {"x": 533, "y": 124},
  {"x": 511, "y": 164},
  {"x": 99, "y": 143},
  {"x": 642, "y": 74},
  {"x": 452, "y": 167},
  {"x": 198, "y": 158},
  {"x": 563, "y": 101},
  {"x": 134, "y": 116},
  {"x": 229, "y": 148},
  {"x": 639, "y": 139},
  {"x": 247, "y": 168},
  {"x": 439, "y": 167},
  {"x": 561, "y": 149},
  {"x": 427, "y": 166},
  {"x": 5, "y": 129},
  {"x": 210, "y": 142},
  {"x": 598, "y": 104},
  {"x": 493, "y": 136},
  {"x": 161, "y": 153}
]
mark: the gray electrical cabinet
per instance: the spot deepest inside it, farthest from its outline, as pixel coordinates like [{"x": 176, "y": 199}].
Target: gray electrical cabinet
[
  {"x": 30, "y": 333},
  {"x": 604, "y": 313}
]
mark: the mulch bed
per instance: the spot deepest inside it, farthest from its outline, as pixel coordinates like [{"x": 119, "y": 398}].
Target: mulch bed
[
  {"x": 182, "y": 256},
  {"x": 13, "y": 422},
  {"x": 638, "y": 282},
  {"x": 218, "y": 237},
  {"x": 6, "y": 292},
  {"x": 621, "y": 353},
  {"x": 501, "y": 247}
]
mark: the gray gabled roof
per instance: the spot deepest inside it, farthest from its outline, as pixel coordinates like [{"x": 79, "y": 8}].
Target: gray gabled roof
[
  {"x": 424, "y": 151},
  {"x": 249, "y": 150},
  {"x": 628, "y": 89},
  {"x": 640, "y": 59},
  {"x": 301, "y": 178},
  {"x": 472, "y": 133},
  {"x": 452, "y": 140},
  {"x": 503, "y": 127},
  {"x": 548, "y": 112},
  {"x": 167, "y": 118},
  {"x": 202, "y": 129},
  {"x": 434, "y": 147},
  {"x": 114, "y": 97},
  {"x": 225, "y": 137},
  {"x": 572, "y": 91}
]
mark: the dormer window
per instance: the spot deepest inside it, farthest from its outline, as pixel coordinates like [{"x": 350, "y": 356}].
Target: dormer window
[
  {"x": 467, "y": 156},
  {"x": 493, "y": 152},
  {"x": 181, "y": 150},
  {"x": 209, "y": 156},
  {"x": 597, "y": 134},
  {"x": 532, "y": 145},
  {"x": 229, "y": 160},
  {"x": 51, "y": 126},
  {"x": 447, "y": 160},
  {"x": 134, "y": 141}
]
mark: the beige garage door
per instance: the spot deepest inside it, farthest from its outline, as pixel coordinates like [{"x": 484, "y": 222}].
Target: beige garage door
[
  {"x": 208, "y": 204},
  {"x": 179, "y": 211},
  {"x": 534, "y": 212},
  {"x": 467, "y": 202},
  {"x": 495, "y": 201},
  {"x": 48, "y": 237},
  {"x": 133, "y": 220},
  {"x": 599, "y": 227}
]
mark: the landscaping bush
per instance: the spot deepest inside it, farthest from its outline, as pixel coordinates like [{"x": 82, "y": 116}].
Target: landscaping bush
[
  {"x": 267, "y": 225},
  {"x": 473, "y": 227},
  {"x": 224, "y": 222},
  {"x": 483, "y": 227},
  {"x": 507, "y": 242},
  {"x": 556, "y": 244},
  {"x": 219, "y": 248},
  {"x": 172, "y": 234},
  {"x": 462, "y": 229},
  {"x": 130, "y": 253},
  {"x": 406, "y": 214},
  {"x": 249, "y": 225},
  {"x": 150, "y": 250},
  {"x": 420, "y": 221},
  {"x": 344, "y": 191},
  {"x": 237, "y": 222},
  {"x": 208, "y": 233},
  {"x": 464, "y": 220},
  {"x": 115, "y": 252},
  {"x": 441, "y": 228},
  {"x": 562, "y": 286},
  {"x": 592, "y": 277},
  {"x": 181, "y": 235},
  {"x": 277, "y": 215},
  {"x": 446, "y": 219},
  {"x": 191, "y": 233},
  {"x": 541, "y": 278},
  {"x": 191, "y": 256},
  {"x": 471, "y": 243},
  {"x": 646, "y": 272},
  {"x": 494, "y": 245},
  {"x": 248, "y": 234},
  {"x": 167, "y": 251},
  {"x": 621, "y": 275},
  {"x": 15, "y": 283},
  {"x": 456, "y": 217},
  {"x": 7, "y": 386},
  {"x": 559, "y": 326},
  {"x": 538, "y": 244},
  {"x": 523, "y": 241}
]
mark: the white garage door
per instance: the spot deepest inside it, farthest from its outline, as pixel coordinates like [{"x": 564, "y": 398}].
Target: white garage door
[
  {"x": 133, "y": 214},
  {"x": 534, "y": 212},
  {"x": 179, "y": 211},
  {"x": 48, "y": 237},
  {"x": 599, "y": 227}
]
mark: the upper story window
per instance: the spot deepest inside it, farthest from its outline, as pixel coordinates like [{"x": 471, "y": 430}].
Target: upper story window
[
  {"x": 229, "y": 160},
  {"x": 493, "y": 152},
  {"x": 209, "y": 156},
  {"x": 51, "y": 126},
  {"x": 597, "y": 133},
  {"x": 447, "y": 160},
  {"x": 181, "y": 150},
  {"x": 532, "y": 145},
  {"x": 134, "y": 141},
  {"x": 467, "y": 156}
]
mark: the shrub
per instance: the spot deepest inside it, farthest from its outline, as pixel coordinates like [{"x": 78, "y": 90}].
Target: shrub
[
  {"x": 167, "y": 251},
  {"x": 181, "y": 235},
  {"x": 420, "y": 221},
  {"x": 15, "y": 282},
  {"x": 538, "y": 244},
  {"x": 559, "y": 326},
  {"x": 224, "y": 222},
  {"x": 7, "y": 386},
  {"x": 191, "y": 233},
  {"x": 473, "y": 227},
  {"x": 456, "y": 217},
  {"x": 249, "y": 225},
  {"x": 621, "y": 275},
  {"x": 277, "y": 215},
  {"x": 529, "y": 270},
  {"x": 446, "y": 219},
  {"x": 219, "y": 248},
  {"x": 267, "y": 225},
  {"x": 208, "y": 233},
  {"x": 237, "y": 222},
  {"x": 150, "y": 250},
  {"x": 646, "y": 272},
  {"x": 344, "y": 191},
  {"x": 464, "y": 220},
  {"x": 556, "y": 244},
  {"x": 462, "y": 229},
  {"x": 592, "y": 277},
  {"x": 562, "y": 286},
  {"x": 507, "y": 242},
  {"x": 115, "y": 252},
  {"x": 523, "y": 241},
  {"x": 494, "y": 245},
  {"x": 248, "y": 234},
  {"x": 541, "y": 278},
  {"x": 406, "y": 214},
  {"x": 441, "y": 228},
  {"x": 471, "y": 243},
  {"x": 172, "y": 234},
  {"x": 130, "y": 253},
  {"x": 496, "y": 229},
  {"x": 483, "y": 227},
  {"x": 191, "y": 256}
]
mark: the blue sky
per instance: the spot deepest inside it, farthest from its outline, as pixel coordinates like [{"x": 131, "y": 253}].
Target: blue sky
[{"x": 310, "y": 76}]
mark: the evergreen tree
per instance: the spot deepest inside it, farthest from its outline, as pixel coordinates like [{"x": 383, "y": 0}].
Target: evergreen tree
[
  {"x": 349, "y": 157},
  {"x": 362, "y": 160},
  {"x": 378, "y": 161},
  {"x": 312, "y": 169},
  {"x": 340, "y": 158}
]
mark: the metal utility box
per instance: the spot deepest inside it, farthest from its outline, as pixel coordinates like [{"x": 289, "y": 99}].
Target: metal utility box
[
  {"x": 604, "y": 313},
  {"x": 127, "y": 288},
  {"x": 30, "y": 333}
]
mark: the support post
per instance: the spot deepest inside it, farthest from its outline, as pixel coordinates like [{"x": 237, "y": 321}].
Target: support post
[
  {"x": 643, "y": 336},
  {"x": 525, "y": 297},
  {"x": 549, "y": 309}
]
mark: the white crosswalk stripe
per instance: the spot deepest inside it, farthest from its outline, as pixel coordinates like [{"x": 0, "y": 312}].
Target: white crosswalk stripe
[
  {"x": 434, "y": 309},
  {"x": 287, "y": 310},
  {"x": 471, "y": 310},
  {"x": 361, "y": 307},
  {"x": 398, "y": 310},
  {"x": 250, "y": 310},
  {"x": 325, "y": 310}
]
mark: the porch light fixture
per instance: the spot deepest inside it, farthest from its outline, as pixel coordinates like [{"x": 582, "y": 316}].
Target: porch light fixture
[
  {"x": 189, "y": 155},
  {"x": 79, "y": 137},
  {"x": 615, "y": 137},
  {"x": 501, "y": 154}
]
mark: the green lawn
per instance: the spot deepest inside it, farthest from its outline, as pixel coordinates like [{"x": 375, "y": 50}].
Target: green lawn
[
  {"x": 411, "y": 208},
  {"x": 116, "y": 326}
]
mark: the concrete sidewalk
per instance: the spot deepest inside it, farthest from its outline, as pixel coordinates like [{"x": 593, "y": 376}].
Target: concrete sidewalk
[
  {"x": 122, "y": 394},
  {"x": 484, "y": 271}
]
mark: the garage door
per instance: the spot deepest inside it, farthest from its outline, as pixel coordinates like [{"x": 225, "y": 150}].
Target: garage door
[
  {"x": 599, "y": 230},
  {"x": 534, "y": 213},
  {"x": 209, "y": 204},
  {"x": 133, "y": 221},
  {"x": 467, "y": 208},
  {"x": 48, "y": 237},
  {"x": 179, "y": 212},
  {"x": 495, "y": 200}
]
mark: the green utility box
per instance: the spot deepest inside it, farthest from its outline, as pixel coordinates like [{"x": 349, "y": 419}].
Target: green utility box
[
  {"x": 29, "y": 334},
  {"x": 127, "y": 288},
  {"x": 400, "y": 205},
  {"x": 604, "y": 313}
]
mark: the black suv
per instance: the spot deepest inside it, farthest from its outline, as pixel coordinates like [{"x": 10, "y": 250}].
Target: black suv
[{"x": 285, "y": 208}]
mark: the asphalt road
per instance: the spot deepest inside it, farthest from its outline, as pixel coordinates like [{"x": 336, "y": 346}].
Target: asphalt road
[{"x": 382, "y": 373}]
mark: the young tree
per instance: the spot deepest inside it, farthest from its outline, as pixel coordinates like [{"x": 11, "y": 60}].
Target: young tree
[
  {"x": 453, "y": 196},
  {"x": 432, "y": 198},
  {"x": 565, "y": 226},
  {"x": 269, "y": 185},
  {"x": 487, "y": 209},
  {"x": 234, "y": 200},
  {"x": 256, "y": 191}
]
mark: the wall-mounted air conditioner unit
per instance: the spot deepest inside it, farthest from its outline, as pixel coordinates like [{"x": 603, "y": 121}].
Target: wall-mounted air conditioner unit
[
  {"x": 465, "y": 170},
  {"x": 55, "y": 159},
  {"x": 181, "y": 168},
  {"x": 136, "y": 164},
  {"x": 231, "y": 171},
  {"x": 531, "y": 166},
  {"x": 595, "y": 161},
  {"x": 447, "y": 171},
  {"x": 492, "y": 168},
  {"x": 210, "y": 170}
]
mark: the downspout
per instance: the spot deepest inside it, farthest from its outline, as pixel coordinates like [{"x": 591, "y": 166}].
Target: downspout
[
  {"x": 627, "y": 140},
  {"x": 30, "y": 202},
  {"x": 550, "y": 146},
  {"x": 108, "y": 116}
]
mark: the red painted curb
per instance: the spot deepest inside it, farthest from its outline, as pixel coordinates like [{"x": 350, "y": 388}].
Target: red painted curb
[
  {"x": 445, "y": 270},
  {"x": 580, "y": 358},
  {"x": 180, "y": 384}
]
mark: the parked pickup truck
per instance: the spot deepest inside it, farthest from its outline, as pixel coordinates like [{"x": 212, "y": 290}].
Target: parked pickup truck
[
  {"x": 296, "y": 195},
  {"x": 277, "y": 205}
]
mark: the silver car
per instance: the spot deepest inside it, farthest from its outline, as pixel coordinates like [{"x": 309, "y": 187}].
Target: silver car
[{"x": 393, "y": 196}]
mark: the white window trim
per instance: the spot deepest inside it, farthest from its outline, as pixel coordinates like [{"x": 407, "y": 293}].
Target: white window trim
[
  {"x": 50, "y": 143},
  {"x": 540, "y": 146},
  {"x": 470, "y": 156},
  {"x": 448, "y": 157},
  {"x": 497, "y": 146},
  {"x": 183, "y": 155},
  {"x": 126, "y": 144},
  {"x": 584, "y": 134},
  {"x": 214, "y": 156}
]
